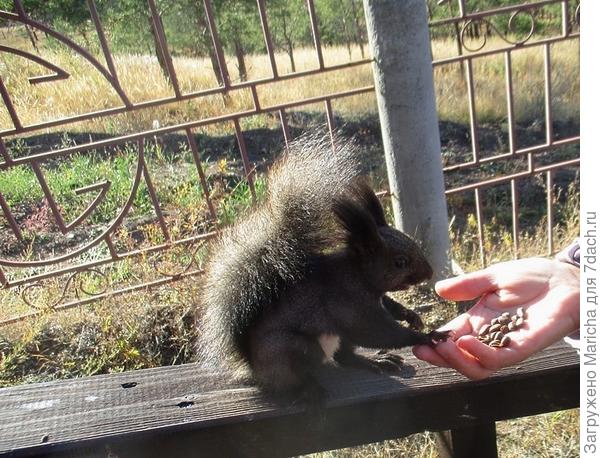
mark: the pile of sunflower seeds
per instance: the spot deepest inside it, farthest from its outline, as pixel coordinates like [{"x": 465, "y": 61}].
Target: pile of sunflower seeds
[{"x": 495, "y": 333}]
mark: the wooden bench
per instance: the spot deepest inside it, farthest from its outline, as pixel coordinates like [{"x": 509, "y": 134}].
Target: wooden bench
[{"x": 185, "y": 411}]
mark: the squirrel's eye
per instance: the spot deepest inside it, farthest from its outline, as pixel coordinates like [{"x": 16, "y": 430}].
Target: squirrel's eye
[{"x": 401, "y": 262}]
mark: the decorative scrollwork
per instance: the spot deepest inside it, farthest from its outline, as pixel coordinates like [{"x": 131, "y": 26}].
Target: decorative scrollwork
[
  {"x": 470, "y": 24},
  {"x": 76, "y": 278},
  {"x": 174, "y": 274}
]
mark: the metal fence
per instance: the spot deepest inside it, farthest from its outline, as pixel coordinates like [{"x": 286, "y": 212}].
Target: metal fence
[{"x": 35, "y": 279}]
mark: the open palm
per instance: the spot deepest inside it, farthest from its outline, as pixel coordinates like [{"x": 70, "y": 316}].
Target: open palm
[{"x": 548, "y": 290}]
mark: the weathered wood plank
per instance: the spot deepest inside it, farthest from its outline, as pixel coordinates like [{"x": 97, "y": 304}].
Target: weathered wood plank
[{"x": 184, "y": 410}]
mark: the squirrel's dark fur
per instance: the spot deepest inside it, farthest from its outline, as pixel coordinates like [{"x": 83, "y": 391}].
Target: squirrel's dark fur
[{"x": 302, "y": 278}]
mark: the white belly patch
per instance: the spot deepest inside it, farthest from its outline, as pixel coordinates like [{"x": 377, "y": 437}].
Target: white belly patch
[{"x": 330, "y": 344}]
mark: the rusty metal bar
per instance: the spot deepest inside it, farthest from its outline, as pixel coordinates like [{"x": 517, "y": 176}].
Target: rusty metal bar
[
  {"x": 474, "y": 55},
  {"x": 268, "y": 41},
  {"x": 69, "y": 43},
  {"x": 479, "y": 214},
  {"x": 9, "y": 106},
  {"x": 4, "y": 153},
  {"x": 60, "y": 222},
  {"x": 472, "y": 112},
  {"x": 212, "y": 27},
  {"x": 255, "y": 98},
  {"x": 59, "y": 73},
  {"x": 491, "y": 12},
  {"x": 115, "y": 223},
  {"x": 187, "y": 96},
  {"x": 330, "y": 121},
  {"x": 462, "y": 8},
  {"x": 548, "y": 94},
  {"x": 164, "y": 48},
  {"x": 514, "y": 193},
  {"x": 155, "y": 202},
  {"x": 108, "y": 260},
  {"x": 20, "y": 9},
  {"x": 521, "y": 152},
  {"x": 285, "y": 127},
  {"x": 550, "y": 209},
  {"x": 314, "y": 26},
  {"x": 191, "y": 124},
  {"x": 564, "y": 10},
  {"x": 105, "y": 48},
  {"x": 499, "y": 180},
  {"x": 248, "y": 169},
  {"x": 114, "y": 255},
  {"x": 510, "y": 106},
  {"x": 114, "y": 293},
  {"x": 10, "y": 218},
  {"x": 198, "y": 163}
]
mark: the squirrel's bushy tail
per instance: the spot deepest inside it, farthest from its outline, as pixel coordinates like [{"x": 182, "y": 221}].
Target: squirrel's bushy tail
[{"x": 249, "y": 262}]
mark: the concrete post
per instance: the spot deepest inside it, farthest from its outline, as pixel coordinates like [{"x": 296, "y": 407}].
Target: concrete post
[{"x": 399, "y": 39}]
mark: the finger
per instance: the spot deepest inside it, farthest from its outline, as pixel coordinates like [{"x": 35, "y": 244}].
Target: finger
[
  {"x": 460, "y": 325},
  {"x": 466, "y": 287},
  {"x": 489, "y": 358},
  {"x": 428, "y": 354},
  {"x": 462, "y": 361}
]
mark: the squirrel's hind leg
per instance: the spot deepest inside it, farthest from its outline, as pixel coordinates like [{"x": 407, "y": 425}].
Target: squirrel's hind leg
[{"x": 283, "y": 363}]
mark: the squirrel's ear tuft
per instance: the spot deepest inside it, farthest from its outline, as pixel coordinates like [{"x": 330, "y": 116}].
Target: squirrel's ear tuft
[
  {"x": 367, "y": 198},
  {"x": 362, "y": 233}
]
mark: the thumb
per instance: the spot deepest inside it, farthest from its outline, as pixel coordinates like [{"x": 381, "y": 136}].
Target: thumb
[{"x": 468, "y": 286}]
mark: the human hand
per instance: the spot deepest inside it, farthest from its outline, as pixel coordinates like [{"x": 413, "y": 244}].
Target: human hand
[{"x": 547, "y": 289}]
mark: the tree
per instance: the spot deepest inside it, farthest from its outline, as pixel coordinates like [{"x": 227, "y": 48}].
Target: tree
[{"x": 288, "y": 21}]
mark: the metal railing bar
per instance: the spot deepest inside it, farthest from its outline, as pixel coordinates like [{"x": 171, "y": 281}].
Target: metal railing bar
[
  {"x": 14, "y": 117},
  {"x": 564, "y": 10},
  {"x": 60, "y": 222},
  {"x": 330, "y": 121},
  {"x": 248, "y": 169},
  {"x": 479, "y": 214},
  {"x": 504, "y": 179},
  {"x": 472, "y": 112},
  {"x": 105, "y": 295},
  {"x": 550, "y": 209},
  {"x": 10, "y": 218},
  {"x": 267, "y": 35},
  {"x": 491, "y": 12},
  {"x": 71, "y": 44},
  {"x": 112, "y": 226},
  {"x": 155, "y": 202},
  {"x": 522, "y": 152},
  {"x": 510, "y": 105},
  {"x": 108, "y": 260},
  {"x": 198, "y": 163},
  {"x": 212, "y": 27},
  {"x": 548, "y": 94},
  {"x": 164, "y": 48},
  {"x": 191, "y": 124},
  {"x": 4, "y": 154},
  {"x": 285, "y": 127},
  {"x": 314, "y": 27},
  {"x": 167, "y": 100},
  {"x": 514, "y": 194},
  {"x": 105, "y": 48},
  {"x": 491, "y": 52}
]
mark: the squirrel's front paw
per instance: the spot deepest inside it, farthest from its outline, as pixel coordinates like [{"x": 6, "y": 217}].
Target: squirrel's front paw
[
  {"x": 414, "y": 320},
  {"x": 435, "y": 337}
]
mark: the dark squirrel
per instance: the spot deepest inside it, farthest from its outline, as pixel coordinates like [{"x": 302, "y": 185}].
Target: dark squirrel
[{"x": 302, "y": 278}]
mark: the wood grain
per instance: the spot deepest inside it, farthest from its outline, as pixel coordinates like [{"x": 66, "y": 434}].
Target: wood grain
[{"x": 187, "y": 411}]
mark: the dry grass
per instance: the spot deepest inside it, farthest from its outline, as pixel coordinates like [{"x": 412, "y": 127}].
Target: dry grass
[{"x": 140, "y": 75}]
